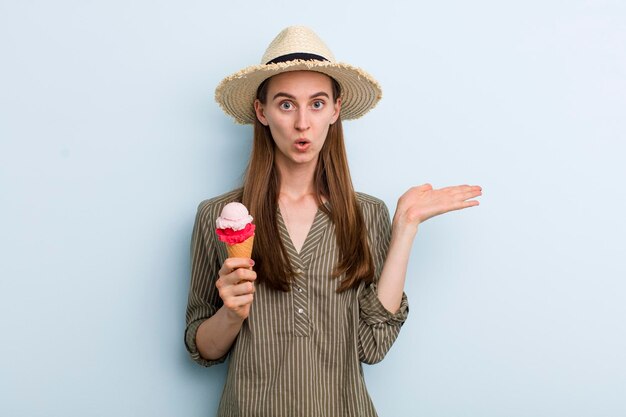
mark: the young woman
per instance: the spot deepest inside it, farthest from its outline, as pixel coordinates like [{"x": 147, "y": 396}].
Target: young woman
[{"x": 323, "y": 291}]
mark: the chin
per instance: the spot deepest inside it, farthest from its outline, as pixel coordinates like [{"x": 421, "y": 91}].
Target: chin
[{"x": 303, "y": 159}]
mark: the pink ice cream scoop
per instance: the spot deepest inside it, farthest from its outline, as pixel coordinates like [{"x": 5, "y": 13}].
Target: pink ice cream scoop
[{"x": 234, "y": 225}]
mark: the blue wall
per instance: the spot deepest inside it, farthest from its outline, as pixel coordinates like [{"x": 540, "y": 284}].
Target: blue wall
[{"x": 109, "y": 138}]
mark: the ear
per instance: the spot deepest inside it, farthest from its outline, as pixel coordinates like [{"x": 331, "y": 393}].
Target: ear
[
  {"x": 337, "y": 106},
  {"x": 260, "y": 113}
]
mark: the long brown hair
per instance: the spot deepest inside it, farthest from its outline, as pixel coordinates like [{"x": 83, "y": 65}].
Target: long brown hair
[{"x": 332, "y": 181}]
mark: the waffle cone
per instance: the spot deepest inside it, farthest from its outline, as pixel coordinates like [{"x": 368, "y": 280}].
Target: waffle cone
[{"x": 241, "y": 250}]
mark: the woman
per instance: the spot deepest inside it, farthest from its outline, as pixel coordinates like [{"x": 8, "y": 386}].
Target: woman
[{"x": 324, "y": 290}]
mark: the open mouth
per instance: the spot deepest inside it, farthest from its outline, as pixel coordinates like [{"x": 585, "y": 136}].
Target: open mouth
[{"x": 302, "y": 144}]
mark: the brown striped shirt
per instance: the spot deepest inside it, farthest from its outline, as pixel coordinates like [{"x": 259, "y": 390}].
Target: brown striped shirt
[{"x": 298, "y": 353}]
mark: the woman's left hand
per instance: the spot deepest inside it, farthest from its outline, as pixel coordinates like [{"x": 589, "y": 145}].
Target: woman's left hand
[{"x": 421, "y": 203}]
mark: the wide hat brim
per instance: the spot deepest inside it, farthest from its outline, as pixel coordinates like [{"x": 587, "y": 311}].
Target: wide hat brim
[{"x": 360, "y": 92}]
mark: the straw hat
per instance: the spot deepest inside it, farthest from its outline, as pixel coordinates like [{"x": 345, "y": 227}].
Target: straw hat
[{"x": 297, "y": 48}]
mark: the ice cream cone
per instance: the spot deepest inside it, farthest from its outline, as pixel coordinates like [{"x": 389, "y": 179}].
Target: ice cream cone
[{"x": 241, "y": 250}]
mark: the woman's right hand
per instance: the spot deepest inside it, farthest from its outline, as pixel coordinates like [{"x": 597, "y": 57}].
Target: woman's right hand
[{"x": 236, "y": 286}]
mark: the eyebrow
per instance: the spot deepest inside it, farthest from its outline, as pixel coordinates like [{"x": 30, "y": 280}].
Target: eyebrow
[{"x": 291, "y": 97}]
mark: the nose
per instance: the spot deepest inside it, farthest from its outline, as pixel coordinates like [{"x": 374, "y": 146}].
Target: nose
[{"x": 302, "y": 121}]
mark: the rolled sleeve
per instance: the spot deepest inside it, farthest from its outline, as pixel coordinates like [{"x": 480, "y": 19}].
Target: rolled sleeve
[
  {"x": 190, "y": 343},
  {"x": 378, "y": 327},
  {"x": 204, "y": 299},
  {"x": 373, "y": 312}
]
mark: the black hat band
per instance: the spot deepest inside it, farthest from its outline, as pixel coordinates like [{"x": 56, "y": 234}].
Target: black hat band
[{"x": 297, "y": 55}]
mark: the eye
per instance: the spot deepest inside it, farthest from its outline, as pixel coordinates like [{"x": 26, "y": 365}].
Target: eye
[
  {"x": 286, "y": 105},
  {"x": 318, "y": 104}
]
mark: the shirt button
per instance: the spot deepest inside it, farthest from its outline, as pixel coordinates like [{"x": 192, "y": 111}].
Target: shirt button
[
  {"x": 300, "y": 289},
  {"x": 298, "y": 271},
  {"x": 300, "y": 311}
]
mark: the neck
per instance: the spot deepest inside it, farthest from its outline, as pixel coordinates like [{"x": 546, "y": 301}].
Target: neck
[{"x": 296, "y": 182}]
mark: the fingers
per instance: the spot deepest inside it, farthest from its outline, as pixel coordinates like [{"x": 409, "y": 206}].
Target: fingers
[
  {"x": 242, "y": 288},
  {"x": 232, "y": 264},
  {"x": 463, "y": 194},
  {"x": 471, "y": 189},
  {"x": 466, "y": 195},
  {"x": 236, "y": 272},
  {"x": 239, "y": 305},
  {"x": 422, "y": 202},
  {"x": 460, "y": 193},
  {"x": 236, "y": 285},
  {"x": 236, "y": 277},
  {"x": 463, "y": 200},
  {"x": 453, "y": 204},
  {"x": 455, "y": 189}
]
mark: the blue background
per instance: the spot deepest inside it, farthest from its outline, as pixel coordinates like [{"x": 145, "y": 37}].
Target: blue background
[{"x": 109, "y": 138}]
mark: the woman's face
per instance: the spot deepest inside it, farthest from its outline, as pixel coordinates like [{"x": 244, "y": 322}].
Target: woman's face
[{"x": 299, "y": 109}]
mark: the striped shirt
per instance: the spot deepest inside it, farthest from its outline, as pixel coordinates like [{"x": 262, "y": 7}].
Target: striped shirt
[{"x": 298, "y": 353}]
